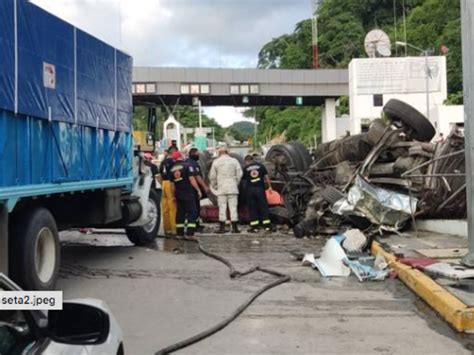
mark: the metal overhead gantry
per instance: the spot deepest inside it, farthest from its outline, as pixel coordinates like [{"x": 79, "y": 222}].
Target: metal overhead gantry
[{"x": 243, "y": 87}]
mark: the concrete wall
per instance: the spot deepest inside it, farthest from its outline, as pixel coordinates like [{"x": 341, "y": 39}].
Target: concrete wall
[
  {"x": 400, "y": 78},
  {"x": 342, "y": 125},
  {"x": 444, "y": 117}
]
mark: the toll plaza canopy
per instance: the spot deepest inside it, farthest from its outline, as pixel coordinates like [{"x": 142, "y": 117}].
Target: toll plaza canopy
[{"x": 238, "y": 87}]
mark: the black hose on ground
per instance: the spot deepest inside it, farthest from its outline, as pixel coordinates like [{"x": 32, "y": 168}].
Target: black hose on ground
[{"x": 233, "y": 273}]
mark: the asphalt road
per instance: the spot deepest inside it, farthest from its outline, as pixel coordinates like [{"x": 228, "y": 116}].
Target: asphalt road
[{"x": 168, "y": 292}]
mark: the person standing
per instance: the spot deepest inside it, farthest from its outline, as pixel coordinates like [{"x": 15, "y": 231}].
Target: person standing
[
  {"x": 193, "y": 160},
  {"x": 155, "y": 171},
  {"x": 225, "y": 176},
  {"x": 168, "y": 204},
  {"x": 255, "y": 176},
  {"x": 184, "y": 186}
]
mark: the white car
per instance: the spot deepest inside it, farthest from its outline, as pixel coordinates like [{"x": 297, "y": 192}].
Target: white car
[{"x": 82, "y": 327}]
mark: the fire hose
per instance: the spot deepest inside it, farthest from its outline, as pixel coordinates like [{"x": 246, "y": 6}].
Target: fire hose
[{"x": 233, "y": 273}]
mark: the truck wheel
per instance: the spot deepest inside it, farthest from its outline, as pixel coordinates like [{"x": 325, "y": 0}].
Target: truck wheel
[
  {"x": 303, "y": 153},
  {"x": 35, "y": 250},
  {"x": 146, "y": 234},
  {"x": 420, "y": 127}
]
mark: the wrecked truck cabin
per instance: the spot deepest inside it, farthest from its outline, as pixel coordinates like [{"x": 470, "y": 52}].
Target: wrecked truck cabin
[{"x": 378, "y": 180}]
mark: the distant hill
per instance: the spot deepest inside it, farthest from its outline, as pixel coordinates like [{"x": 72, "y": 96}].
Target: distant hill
[{"x": 244, "y": 128}]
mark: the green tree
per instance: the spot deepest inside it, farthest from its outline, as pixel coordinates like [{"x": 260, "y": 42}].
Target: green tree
[
  {"x": 290, "y": 51},
  {"x": 343, "y": 25},
  {"x": 435, "y": 23}
]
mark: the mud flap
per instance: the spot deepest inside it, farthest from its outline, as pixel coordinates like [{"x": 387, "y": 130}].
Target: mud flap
[{"x": 141, "y": 189}]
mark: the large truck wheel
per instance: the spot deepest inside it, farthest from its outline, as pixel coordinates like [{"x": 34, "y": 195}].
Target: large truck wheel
[
  {"x": 35, "y": 250},
  {"x": 146, "y": 234}
]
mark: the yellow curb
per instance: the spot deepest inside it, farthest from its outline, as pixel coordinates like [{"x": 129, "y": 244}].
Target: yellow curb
[{"x": 455, "y": 312}]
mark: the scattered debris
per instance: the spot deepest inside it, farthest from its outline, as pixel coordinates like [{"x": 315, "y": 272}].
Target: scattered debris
[
  {"x": 378, "y": 205},
  {"x": 365, "y": 272},
  {"x": 454, "y": 272},
  {"x": 418, "y": 263},
  {"x": 355, "y": 240},
  {"x": 331, "y": 261},
  {"x": 449, "y": 253},
  {"x": 375, "y": 181},
  {"x": 380, "y": 263}
]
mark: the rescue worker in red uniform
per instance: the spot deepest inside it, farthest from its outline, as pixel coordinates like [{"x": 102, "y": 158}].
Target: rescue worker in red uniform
[
  {"x": 184, "y": 187},
  {"x": 255, "y": 175},
  {"x": 193, "y": 160}
]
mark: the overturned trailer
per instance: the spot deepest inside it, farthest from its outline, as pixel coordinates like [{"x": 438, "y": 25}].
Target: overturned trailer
[{"x": 378, "y": 180}]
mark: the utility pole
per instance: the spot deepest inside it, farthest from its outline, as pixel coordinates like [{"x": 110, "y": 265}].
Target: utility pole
[
  {"x": 255, "y": 130},
  {"x": 425, "y": 52},
  {"x": 200, "y": 115},
  {"x": 315, "y": 6},
  {"x": 467, "y": 28}
]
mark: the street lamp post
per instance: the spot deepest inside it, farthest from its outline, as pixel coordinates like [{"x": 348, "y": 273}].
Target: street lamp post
[
  {"x": 467, "y": 25},
  {"x": 255, "y": 130},
  {"x": 427, "y": 72}
]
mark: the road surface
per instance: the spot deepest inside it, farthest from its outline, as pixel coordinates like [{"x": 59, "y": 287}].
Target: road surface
[{"x": 170, "y": 291}]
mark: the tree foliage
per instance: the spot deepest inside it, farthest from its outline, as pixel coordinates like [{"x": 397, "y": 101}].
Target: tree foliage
[
  {"x": 242, "y": 130},
  {"x": 342, "y": 26}
]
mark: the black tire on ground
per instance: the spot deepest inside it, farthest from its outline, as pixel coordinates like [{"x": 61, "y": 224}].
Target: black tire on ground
[
  {"x": 420, "y": 128},
  {"x": 34, "y": 249},
  {"x": 303, "y": 153},
  {"x": 144, "y": 235}
]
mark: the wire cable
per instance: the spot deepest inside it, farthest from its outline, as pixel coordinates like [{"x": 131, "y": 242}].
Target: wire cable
[{"x": 233, "y": 273}]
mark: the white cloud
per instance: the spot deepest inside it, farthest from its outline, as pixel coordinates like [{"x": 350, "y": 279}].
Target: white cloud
[
  {"x": 193, "y": 33},
  {"x": 225, "y": 115},
  {"x": 218, "y": 33}
]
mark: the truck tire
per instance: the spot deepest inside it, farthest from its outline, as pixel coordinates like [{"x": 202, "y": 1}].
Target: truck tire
[
  {"x": 421, "y": 128},
  {"x": 144, "y": 235},
  {"x": 286, "y": 155},
  {"x": 35, "y": 250},
  {"x": 303, "y": 153}
]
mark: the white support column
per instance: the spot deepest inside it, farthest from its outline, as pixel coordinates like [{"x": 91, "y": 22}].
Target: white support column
[
  {"x": 328, "y": 121},
  {"x": 355, "y": 125}
]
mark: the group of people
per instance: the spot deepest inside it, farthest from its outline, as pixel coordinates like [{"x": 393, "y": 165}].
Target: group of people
[{"x": 183, "y": 188}]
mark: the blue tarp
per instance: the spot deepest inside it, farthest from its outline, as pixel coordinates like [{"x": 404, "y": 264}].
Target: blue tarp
[
  {"x": 95, "y": 82},
  {"x": 7, "y": 55},
  {"x": 64, "y": 74}
]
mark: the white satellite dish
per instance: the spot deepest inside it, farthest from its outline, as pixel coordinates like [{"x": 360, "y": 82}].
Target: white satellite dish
[{"x": 377, "y": 44}]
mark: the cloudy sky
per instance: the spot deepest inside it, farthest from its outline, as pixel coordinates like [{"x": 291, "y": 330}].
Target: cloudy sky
[{"x": 192, "y": 33}]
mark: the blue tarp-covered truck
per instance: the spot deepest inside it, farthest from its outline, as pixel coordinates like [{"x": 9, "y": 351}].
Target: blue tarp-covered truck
[{"x": 66, "y": 146}]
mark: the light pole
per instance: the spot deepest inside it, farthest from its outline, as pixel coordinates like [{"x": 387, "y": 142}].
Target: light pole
[
  {"x": 467, "y": 25},
  {"x": 427, "y": 72},
  {"x": 255, "y": 130}
]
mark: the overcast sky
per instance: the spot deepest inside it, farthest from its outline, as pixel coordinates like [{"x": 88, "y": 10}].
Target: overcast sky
[{"x": 192, "y": 33}]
